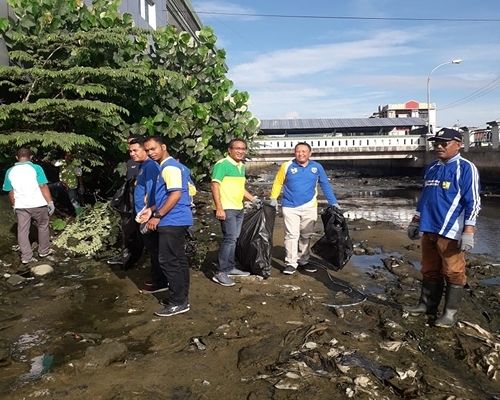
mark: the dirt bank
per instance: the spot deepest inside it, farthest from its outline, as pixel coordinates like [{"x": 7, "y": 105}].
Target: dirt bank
[{"x": 85, "y": 331}]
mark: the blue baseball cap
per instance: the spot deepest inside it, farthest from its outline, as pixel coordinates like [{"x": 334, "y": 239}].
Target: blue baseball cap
[{"x": 447, "y": 134}]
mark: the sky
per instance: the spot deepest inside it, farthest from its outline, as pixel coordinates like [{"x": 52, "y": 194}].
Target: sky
[{"x": 346, "y": 68}]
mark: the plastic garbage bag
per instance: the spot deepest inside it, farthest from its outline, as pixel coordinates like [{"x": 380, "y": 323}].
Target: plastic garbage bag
[
  {"x": 253, "y": 250},
  {"x": 123, "y": 199},
  {"x": 335, "y": 246}
]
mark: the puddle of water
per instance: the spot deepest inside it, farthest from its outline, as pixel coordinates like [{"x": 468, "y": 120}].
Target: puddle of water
[
  {"x": 495, "y": 281},
  {"x": 27, "y": 341},
  {"x": 39, "y": 366}
]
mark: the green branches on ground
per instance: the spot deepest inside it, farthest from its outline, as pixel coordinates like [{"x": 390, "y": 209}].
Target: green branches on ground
[{"x": 94, "y": 230}]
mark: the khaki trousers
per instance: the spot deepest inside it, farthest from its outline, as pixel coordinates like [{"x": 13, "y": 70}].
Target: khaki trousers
[
  {"x": 442, "y": 259},
  {"x": 24, "y": 216},
  {"x": 299, "y": 228}
]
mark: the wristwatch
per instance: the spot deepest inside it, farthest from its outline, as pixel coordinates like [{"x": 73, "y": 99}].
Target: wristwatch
[{"x": 157, "y": 214}]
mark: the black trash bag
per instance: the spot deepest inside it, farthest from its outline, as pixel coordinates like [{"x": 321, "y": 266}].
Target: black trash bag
[
  {"x": 123, "y": 199},
  {"x": 253, "y": 249},
  {"x": 335, "y": 246}
]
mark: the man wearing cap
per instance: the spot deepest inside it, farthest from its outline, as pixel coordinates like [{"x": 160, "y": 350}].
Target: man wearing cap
[{"x": 446, "y": 215}]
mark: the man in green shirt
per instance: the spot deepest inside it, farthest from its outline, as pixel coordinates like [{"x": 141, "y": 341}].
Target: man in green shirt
[{"x": 228, "y": 192}]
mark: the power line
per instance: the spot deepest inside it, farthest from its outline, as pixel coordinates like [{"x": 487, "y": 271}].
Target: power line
[
  {"x": 298, "y": 16},
  {"x": 482, "y": 91}
]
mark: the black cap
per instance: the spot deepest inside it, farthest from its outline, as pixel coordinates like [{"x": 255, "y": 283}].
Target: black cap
[{"x": 447, "y": 134}]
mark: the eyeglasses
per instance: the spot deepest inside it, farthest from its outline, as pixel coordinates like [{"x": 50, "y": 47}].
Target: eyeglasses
[
  {"x": 239, "y": 148},
  {"x": 443, "y": 144}
]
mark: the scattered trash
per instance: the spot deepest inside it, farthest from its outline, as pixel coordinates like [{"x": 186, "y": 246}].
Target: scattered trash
[
  {"x": 391, "y": 345},
  {"x": 41, "y": 270}
]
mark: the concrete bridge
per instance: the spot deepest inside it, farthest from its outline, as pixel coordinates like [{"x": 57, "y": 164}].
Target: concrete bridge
[{"x": 388, "y": 154}]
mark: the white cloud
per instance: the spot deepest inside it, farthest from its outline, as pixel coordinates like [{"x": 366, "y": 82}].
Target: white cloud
[
  {"x": 223, "y": 7},
  {"x": 289, "y": 63}
]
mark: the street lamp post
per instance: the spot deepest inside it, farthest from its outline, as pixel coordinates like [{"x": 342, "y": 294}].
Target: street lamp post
[{"x": 456, "y": 61}]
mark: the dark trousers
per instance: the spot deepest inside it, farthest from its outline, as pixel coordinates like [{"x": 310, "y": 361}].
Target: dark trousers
[
  {"x": 174, "y": 262},
  {"x": 151, "y": 244}
]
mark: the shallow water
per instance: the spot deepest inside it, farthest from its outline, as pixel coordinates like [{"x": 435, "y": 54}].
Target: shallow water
[{"x": 398, "y": 206}]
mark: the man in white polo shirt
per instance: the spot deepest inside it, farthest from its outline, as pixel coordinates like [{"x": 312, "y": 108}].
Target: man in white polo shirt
[{"x": 30, "y": 197}]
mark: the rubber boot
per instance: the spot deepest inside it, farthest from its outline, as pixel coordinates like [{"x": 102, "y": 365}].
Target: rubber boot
[
  {"x": 454, "y": 294},
  {"x": 430, "y": 297}
]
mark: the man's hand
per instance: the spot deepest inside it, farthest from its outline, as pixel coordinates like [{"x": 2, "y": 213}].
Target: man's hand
[
  {"x": 413, "y": 229},
  {"x": 152, "y": 224},
  {"x": 51, "y": 207},
  {"x": 144, "y": 216},
  {"x": 337, "y": 207},
  {"x": 274, "y": 203},
  {"x": 220, "y": 214},
  {"x": 257, "y": 202},
  {"x": 466, "y": 242}
]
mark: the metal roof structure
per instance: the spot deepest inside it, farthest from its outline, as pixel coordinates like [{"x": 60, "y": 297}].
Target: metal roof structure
[{"x": 338, "y": 123}]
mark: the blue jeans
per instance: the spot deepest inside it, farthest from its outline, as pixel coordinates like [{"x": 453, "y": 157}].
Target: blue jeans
[{"x": 231, "y": 228}]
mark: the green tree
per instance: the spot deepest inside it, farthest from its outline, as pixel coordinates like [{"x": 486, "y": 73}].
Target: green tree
[{"x": 83, "y": 77}]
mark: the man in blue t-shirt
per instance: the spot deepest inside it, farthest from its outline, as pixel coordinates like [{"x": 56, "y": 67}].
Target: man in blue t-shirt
[
  {"x": 30, "y": 197},
  {"x": 299, "y": 179},
  {"x": 446, "y": 214},
  {"x": 171, "y": 216}
]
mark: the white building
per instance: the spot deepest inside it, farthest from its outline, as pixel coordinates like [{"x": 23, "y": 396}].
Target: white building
[{"x": 410, "y": 109}]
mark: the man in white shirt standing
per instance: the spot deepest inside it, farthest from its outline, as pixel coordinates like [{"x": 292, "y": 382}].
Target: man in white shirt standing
[{"x": 30, "y": 197}]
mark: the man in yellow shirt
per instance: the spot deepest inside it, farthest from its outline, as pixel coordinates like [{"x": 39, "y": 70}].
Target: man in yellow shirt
[{"x": 228, "y": 192}]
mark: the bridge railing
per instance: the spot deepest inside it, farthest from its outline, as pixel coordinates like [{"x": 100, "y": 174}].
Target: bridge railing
[{"x": 343, "y": 143}]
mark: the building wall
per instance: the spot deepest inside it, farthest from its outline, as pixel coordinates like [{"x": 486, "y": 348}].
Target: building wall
[{"x": 149, "y": 14}]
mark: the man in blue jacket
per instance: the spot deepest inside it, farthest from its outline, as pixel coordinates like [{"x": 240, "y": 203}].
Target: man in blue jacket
[
  {"x": 299, "y": 179},
  {"x": 446, "y": 214},
  {"x": 144, "y": 198}
]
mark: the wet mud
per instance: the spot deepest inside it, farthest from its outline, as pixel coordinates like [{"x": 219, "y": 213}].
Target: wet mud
[{"x": 85, "y": 331}]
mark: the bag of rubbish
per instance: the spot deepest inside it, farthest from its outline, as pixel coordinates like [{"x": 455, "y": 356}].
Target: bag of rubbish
[
  {"x": 123, "y": 199},
  {"x": 335, "y": 246},
  {"x": 253, "y": 249}
]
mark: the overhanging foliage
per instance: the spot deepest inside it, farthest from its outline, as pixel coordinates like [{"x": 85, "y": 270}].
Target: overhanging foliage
[{"x": 82, "y": 78}]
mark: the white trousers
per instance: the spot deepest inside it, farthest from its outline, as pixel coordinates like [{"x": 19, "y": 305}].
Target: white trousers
[{"x": 299, "y": 227}]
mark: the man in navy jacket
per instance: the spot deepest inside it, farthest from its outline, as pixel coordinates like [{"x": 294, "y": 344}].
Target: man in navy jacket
[{"x": 446, "y": 215}]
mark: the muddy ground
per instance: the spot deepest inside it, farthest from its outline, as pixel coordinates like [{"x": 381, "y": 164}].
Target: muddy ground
[{"x": 85, "y": 331}]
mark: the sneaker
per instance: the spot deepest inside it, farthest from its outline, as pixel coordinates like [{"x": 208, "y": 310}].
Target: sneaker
[
  {"x": 170, "y": 310},
  {"x": 118, "y": 260},
  {"x": 49, "y": 252},
  {"x": 238, "y": 272},
  {"x": 289, "y": 270},
  {"x": 32, "y": 259},
  {"x": 222, "y": 279},
  {"x": 153, "y": 289},
  {"x": 308, "y": 267}
]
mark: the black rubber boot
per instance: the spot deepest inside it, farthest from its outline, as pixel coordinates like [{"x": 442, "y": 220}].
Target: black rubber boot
[
  {"x": 430, "y": 297},
  {"x": 454, "y": 294}
]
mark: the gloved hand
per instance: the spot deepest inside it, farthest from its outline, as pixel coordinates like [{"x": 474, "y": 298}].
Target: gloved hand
[
  {"x": 466, "y": 242},
  {"x": 257, "y": 202},
  {"x": 274, "y": 203},
  {"x": 51, "y": 207},
  {"x": 413, "y": 229},
  {"x": 337, "y": 207}
]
